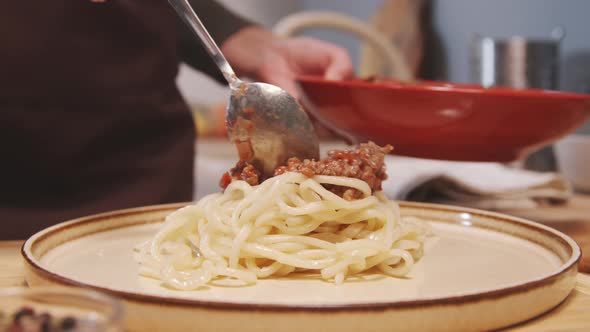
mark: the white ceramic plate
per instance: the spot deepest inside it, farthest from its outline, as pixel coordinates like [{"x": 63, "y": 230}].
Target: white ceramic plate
[{"x": 480, "y": 271}]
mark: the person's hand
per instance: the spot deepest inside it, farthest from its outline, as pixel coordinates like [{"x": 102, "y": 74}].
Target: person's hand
[{"x": 258, "y": 54}]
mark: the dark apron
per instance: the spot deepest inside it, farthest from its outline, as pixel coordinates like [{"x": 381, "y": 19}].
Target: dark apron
[{"x": 90, "y": 117}]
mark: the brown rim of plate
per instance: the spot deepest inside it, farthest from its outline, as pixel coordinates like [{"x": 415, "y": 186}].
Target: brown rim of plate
[{"x": 570, "y": 266}]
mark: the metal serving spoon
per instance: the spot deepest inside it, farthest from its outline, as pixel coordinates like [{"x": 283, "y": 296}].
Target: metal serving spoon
[{"x": 266, "y": 123}]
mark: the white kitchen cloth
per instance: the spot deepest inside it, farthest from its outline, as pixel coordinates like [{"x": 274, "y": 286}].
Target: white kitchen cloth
[{"x": 481, "y": 185}]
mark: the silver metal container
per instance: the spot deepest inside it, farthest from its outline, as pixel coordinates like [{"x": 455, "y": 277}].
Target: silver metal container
[
  {"x": 517, "y": 62},
  {"x": 520, "y": 63}
]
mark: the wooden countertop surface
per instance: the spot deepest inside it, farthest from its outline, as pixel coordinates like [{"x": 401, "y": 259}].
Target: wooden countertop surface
[
  {"x": 571, "y": 315},
  {"x": 573, "y": 219}
]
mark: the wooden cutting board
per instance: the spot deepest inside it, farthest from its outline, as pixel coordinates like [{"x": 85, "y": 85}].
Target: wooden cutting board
[
  {"x": 398, "y": 21},
  {"x": 577, "y": 209},
  {"x": 572, "y": 218}
]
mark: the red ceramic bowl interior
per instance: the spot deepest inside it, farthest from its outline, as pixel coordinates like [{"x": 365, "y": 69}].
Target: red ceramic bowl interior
[{"x": 447, "y": 121}]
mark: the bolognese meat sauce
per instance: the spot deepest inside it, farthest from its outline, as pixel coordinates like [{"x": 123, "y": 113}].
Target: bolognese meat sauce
[{"x": 366, "y": 162}]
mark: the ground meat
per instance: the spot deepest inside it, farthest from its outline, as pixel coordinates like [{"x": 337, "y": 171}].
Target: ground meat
[
  {"x": 365, "y": 162},
  {"x": 243, "y": 171}
]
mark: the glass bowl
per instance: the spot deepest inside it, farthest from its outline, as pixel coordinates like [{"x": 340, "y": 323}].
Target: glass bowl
[{"x": 57, "y": 309}]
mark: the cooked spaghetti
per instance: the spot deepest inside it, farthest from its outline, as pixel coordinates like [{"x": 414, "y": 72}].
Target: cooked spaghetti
[{"x": 289, "y": 223}]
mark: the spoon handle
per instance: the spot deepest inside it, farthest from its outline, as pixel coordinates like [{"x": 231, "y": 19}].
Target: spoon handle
[{"x": 188, "y": 15}]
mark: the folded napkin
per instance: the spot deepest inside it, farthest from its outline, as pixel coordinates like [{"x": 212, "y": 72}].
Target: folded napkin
[{"x": 481, "y": 185}]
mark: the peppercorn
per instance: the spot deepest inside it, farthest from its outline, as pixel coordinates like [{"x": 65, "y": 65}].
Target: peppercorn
[
  {"x": 45, "y": 319},
  {"x": 68, "y": 323},
  {"x": 25, "y": 311}
]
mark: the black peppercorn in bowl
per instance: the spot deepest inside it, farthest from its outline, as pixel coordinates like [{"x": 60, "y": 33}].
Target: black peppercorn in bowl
[{"x": 58, "y": 309}]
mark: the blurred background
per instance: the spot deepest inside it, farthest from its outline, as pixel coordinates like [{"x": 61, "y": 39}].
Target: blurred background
[{"x": 437, "y": 39}]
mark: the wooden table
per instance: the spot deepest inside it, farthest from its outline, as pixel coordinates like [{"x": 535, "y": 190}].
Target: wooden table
[
  {"x": 572, "y": 315},
  {"x": 572, "y": 218}
]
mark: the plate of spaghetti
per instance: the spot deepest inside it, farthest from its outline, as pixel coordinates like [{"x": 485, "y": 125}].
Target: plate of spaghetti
[{"x": 317, "y": 246}]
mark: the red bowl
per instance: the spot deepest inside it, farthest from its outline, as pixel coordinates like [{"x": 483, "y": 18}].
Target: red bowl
[{"x": 447, "y": 121}]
